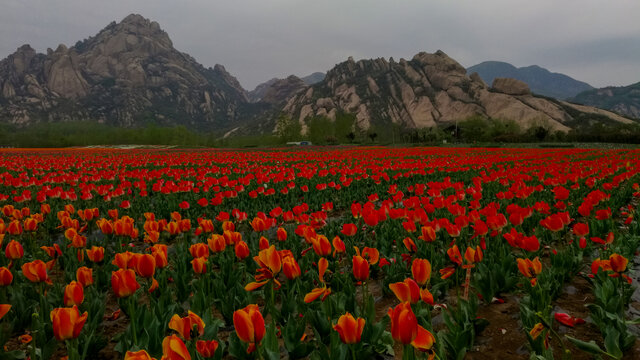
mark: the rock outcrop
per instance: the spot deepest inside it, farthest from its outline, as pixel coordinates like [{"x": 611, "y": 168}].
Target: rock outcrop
[
  {"x": 428, "y": 90},
  {"x": 127, "y": 74}
]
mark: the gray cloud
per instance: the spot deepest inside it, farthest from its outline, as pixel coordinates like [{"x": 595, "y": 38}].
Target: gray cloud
[{"x": 591, "y": 40}]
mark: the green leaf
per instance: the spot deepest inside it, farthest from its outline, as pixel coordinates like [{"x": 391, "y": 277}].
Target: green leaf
[{"x": 591, "y": 347}]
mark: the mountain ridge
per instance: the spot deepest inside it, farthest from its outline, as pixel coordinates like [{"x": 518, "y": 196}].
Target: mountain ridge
[{"x": 540, "y": 80}]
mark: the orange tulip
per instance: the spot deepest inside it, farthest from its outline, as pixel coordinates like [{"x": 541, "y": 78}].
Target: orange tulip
[
  {"x": 207, "y": 348},
  {"x": 360, "y": 268},
  {"x": 14, "y": 250},
  {"x": 408, "y": 290},
  {"x": 404, "y": 325},
  {"x": 269, "y": 259},
  {"x": 138, "y": 355},
  {"x": 424, "y": 340},
  {"x": 529, "y": 268},
  {"x": 4, "y": 309},
  {"x": 123, "y": 260},
  {"x": 199, "y": 250},
  {"x": 84, "y": 275},
  {"x": 473, "y": 255},
  {"x": 290, "y": 268},
  {"x": 124, "y": 282},
  {"x": 6, "y": 277},
  {"x": 428, "y": 234},
  {"x": 174, "y": 349},
  {"x": 159, "y": 252},
  {"x": 14, "y": 228},
  {"x": 217, "y": 243},
  {"x": 67, "y": 322},
  {"x": 36, "y": 271},
  {"x": 349, "y": 328},
  {"x": 263, "y": 243},
  {"x": 145, "y": 265},
  {"x": 618, "y": 263},
  {"x": 454, "y": 254},
  {"x": 338, "y": 246},
  {"x": 73, "y": 294},
  {"x": 421, "y": 271},
  {"x": 95, "y": 254},
  {"x": 321, "y": 245},
  {"x": 249, "y": 325},
  {"x": 188, "y": 326},
  {"x": 199, "y": 265}
]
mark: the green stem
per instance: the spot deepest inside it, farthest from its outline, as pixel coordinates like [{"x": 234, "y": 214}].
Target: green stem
[
  {"x": 353, "y": 351},
  {"x": 132, "y": 318}
]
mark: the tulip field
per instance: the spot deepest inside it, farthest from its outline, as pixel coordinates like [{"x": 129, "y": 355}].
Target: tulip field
[{"x": 319, "y": 253}]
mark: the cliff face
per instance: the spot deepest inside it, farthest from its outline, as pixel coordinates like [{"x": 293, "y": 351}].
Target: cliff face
[
  {"x": 428, "y": 90},
  {"x": 129, "y": 72}
]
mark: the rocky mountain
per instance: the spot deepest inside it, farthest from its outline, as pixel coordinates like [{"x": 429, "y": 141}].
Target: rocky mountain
[
  {"x": 430, "y": 90},
  {"x": 129, "y": 73},
  {"x": 624, "y": 100},
  {"x": 540, "y": 80},
  {"x": 292, "y": 83},
  {"x": 311, "y": 79}
]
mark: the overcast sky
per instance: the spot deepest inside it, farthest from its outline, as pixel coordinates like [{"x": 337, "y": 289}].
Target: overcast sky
[{"x": 597, "y": 41}]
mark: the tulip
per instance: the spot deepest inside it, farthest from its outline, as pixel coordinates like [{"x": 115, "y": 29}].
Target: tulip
[
  {"x": 6, "y": 277},
  {"x": 338, "y": 246},
  {"x": 123, "y": 260},
  {"x": 145, "y": 265},
  {"x": 124, "y": 282},
  {"x": 290, "y": 268},
  {"x": 454, "y": 254},
  {"x": 349, "y": 328},
  {"x": 424, "y": 340},
  {"x": 404, "y": 325},
  {"x": 408, "y": 290},
  {"x": 360, "y": 268},
  {"x": 84, "y": 276},
  {"x": 95, "y": 254},
  {"x": 138, "y": 355},
  {"x": 281, "y": 234},
  {"x": 67, "y": 322},
  {"x": 199, "y": 250},
  {"x": 174, "y": 349},
  {"x": 36, "y": 271},
  {"x": 349, "y": 229},
  {"x": 536, "y": 330},
  {"x": 207, "y": 348},
  {"x": 4, "y": 309},
  {"x": 73, "y": 294},
  {"x": 618, "y": 263},
  {"x": 14, "y": 250},
  {"x": 249, "y": 325},
  {"x": 580, "y": 229},
  {"x": 217, "y": 243},
  {"x": 428, "y": 234},
  {"x": 421, "y": 271},
  {"x": 321, "y": 245},
  {"x": 188, "y": 326},
  {"x": 242, "y": 250},
  {"x": 199, "y": 265}
]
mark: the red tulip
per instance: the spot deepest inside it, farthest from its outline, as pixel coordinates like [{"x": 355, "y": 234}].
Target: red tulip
[{"x": 568, "y": 320}]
